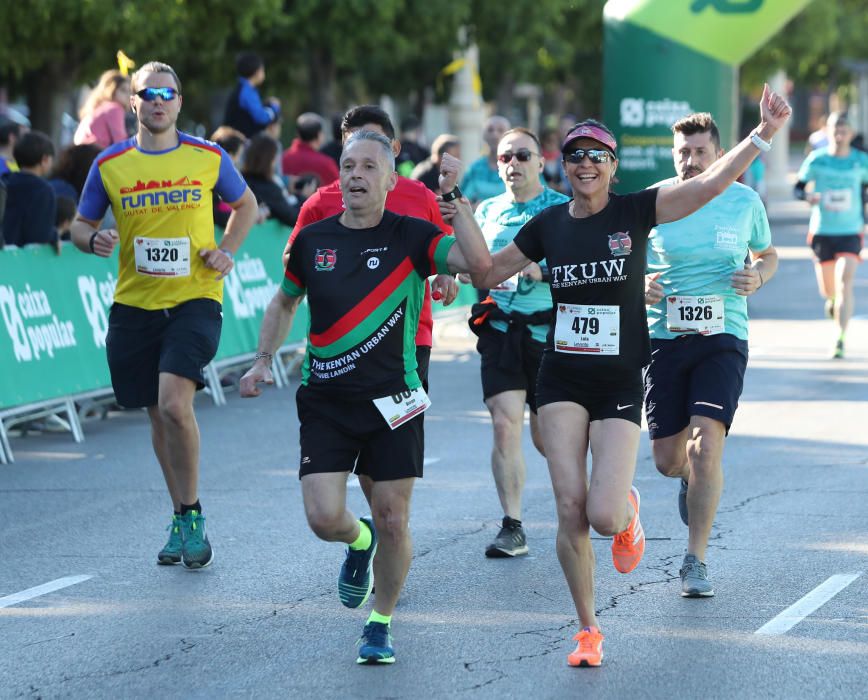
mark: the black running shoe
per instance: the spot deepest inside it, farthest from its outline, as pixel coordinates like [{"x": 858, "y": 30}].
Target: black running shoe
[
  {"x": 510, "y": 541},
  {"x": 356, "y": 579},
  {"x": 375, "y": 645}
]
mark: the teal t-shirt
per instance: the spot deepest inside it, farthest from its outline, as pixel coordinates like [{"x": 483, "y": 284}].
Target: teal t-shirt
[
  {"x": 481, "y": 181},
  {"x": 698, "y": 255},
  {"x": 839, "y": 182},
  {"x": 500, "y": 218}
]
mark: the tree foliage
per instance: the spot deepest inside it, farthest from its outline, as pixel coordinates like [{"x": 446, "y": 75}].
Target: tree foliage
[
  {"x": 555, "y": 44},
  {"x": 813, "y": 47},
  {"x": 46, "y": 46},
  {"x": 323, "y": 55}
]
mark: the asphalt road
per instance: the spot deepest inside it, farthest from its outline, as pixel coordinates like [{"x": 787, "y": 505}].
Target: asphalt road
[{"x": 264, "y": 620}]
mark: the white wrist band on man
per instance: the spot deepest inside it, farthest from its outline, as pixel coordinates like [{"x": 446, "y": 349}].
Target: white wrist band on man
[{"x": 756, "y": 140}]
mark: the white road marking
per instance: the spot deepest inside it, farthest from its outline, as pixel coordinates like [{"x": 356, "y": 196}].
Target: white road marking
[
  {"x": 799, "y": 610},
  {"x": 37, "y": 591}
]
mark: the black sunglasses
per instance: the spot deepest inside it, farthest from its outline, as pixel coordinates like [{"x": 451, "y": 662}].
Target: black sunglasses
[
  {"x": 523, "y": 155},
  {"x": 166, "y": 94},
  {"x": 596, "y": 155}
]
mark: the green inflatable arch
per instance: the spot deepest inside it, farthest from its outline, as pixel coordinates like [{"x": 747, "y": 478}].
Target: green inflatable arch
[{"x": 664, "y": 59}]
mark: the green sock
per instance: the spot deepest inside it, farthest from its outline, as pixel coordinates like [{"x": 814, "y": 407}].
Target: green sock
[
  {"x": 376, "y": 617},
  {"x": 841, "y": 337},
  {"x": 363, "y": 541}
]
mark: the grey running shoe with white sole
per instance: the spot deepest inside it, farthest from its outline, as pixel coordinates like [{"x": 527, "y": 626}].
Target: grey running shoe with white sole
[
  {"x": 510, "y": 541},
  {"x": 694, "y": 578}
]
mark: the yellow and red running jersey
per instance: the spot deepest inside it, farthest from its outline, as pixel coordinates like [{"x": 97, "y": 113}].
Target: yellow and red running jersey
[{"x": 162, "y": 202}]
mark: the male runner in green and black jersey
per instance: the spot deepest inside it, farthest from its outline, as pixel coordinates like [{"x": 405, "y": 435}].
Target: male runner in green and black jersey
[{"x": 364, "y": 274}]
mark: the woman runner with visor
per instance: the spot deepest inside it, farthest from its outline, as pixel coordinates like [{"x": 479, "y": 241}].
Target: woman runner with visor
[{"x": 589, "y": 390}]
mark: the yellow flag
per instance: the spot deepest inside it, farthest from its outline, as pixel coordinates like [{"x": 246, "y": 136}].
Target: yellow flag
[
  {"x": 455, "y": 66},
  {"x": 125, "y": 63}
]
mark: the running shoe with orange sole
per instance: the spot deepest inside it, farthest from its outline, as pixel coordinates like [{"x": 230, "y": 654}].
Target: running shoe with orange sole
[
  {"x": 629, "y": 546},
  {"x": 589, "y": 651}
]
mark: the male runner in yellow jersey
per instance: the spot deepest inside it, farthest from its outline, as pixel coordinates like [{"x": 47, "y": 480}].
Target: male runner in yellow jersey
[{"x": 165, "y": 322}]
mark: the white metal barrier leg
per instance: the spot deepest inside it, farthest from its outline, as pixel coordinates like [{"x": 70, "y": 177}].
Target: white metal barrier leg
[
  {"x": 280, "y": 378},
  {"x": 212, "y": 380},
  {"x": 5, "y": 449},
  {"x": 74, "y": 421}
]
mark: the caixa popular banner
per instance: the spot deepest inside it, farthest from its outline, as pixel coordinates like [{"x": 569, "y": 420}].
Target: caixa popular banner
[
  {"x": 664, "y": 59},
  {"x": 54, "y": 314}
]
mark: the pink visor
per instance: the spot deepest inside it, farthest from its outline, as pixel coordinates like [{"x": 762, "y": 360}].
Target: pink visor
[{"x": 588, "y": 131}]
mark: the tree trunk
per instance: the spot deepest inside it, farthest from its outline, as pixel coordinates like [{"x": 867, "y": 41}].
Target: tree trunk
[
  {"x": 322, "y": 82},
  {"x": 48, "y": 97},
  {"x": 505, "y": 99}
]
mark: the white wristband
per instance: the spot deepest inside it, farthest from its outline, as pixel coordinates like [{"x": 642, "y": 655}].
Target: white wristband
[{"x": 756, "y": 140}]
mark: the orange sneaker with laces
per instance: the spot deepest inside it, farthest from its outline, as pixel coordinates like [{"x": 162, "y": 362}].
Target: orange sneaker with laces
[
  {"x": 589, "y": 651},
  {"x": 629, "y": 546}
]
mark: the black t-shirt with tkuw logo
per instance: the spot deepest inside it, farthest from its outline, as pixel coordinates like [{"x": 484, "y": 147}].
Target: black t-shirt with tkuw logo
[
  {"x": 364, "y": 289},
  {"x": 597, "y": 267}
]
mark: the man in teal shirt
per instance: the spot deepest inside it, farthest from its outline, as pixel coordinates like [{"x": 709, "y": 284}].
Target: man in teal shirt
[
  {"x": 512, "y": 332},
  {"x": 696, "y": 292},
  {"x": 840, "y": 176}
]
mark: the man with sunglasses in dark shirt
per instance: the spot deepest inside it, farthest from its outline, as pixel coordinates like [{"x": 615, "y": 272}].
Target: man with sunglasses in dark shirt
[{"x": 512, "y": 325}]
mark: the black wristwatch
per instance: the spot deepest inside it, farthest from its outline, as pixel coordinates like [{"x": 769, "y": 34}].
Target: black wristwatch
[{"x": 454, "y": 194}]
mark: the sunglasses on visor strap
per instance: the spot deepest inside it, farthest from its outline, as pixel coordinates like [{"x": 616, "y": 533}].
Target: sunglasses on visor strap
[
  {"x": 166, "y": 94},
  {"x": 596, "y": 155},
  {"x": 523, "y": 155}
]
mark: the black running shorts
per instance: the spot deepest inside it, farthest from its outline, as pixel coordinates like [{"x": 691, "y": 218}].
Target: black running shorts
[
  {"x": 602, "y": 395},
  {"x": 829, "y": 248},
  {"x": 140, "y": 344},
  {"x": 334, "y": 432},
  {"x": 693, "y": 375},
  {"x": 423, "y": 361},
  {"x": 505, "y": 367}
]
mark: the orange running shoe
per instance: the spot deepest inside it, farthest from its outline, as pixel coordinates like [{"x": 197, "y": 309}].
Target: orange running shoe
[
  {"x": 629, "y": 546},
  {"x": 589, "y": 651}
]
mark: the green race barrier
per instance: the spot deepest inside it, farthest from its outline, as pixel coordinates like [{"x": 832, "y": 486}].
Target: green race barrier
[
  {"x": 55, "y": 317},
  {"x": 54, "y": 311},
  {"x": 250, "y": 286}
]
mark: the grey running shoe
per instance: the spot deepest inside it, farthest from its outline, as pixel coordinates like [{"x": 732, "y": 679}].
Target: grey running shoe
[
  {"x": 682, "y": 502},
  {"x": 510, "y": 541},
  {"x": 694, "y": 578}
]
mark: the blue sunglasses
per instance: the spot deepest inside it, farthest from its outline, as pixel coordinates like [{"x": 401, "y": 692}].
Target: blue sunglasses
[{"x": 166, "y": 94}]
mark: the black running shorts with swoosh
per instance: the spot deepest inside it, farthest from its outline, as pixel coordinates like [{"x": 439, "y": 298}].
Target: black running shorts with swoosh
[
  {"x": 603, "y": 395},
  {"x": 693, "y": 375}
]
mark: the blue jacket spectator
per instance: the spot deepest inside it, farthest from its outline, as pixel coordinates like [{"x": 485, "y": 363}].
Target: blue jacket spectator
[
  {"x": 31, "y": 206},
  {"x": 245, "y": 110}
]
